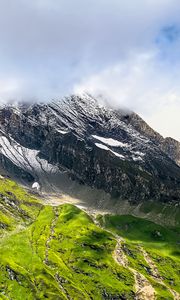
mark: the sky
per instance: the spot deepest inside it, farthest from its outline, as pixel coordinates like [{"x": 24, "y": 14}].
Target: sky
[{"x": 126, "y": 52}]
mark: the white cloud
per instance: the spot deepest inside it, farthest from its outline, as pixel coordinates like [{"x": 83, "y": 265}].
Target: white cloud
[
  {"x": 111, "y": 47},
  {"x": 142, "y": 84},
  {"x": 8, "y": 88}
]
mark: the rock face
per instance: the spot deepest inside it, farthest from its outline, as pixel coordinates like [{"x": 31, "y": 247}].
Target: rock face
[
  {"x": 92, "y": 144},
  {"x": 170, "y": 146}
]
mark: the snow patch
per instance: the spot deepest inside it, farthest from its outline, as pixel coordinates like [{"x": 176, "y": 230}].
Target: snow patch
[
  {"x": 61, "y": 131},
  {"x": 110, "y": 141},
  {"x": 101, "y": 146},
  {"x": 138, "y": 158},
  {"x": 139, "y": 153},
  {"x": 25, "y": 158},
  {"x": 118, "y": 155}
]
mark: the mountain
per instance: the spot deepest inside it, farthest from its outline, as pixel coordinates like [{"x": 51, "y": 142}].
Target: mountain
[
  {"x": 120, "y": 239},
  {"x": 77, "y": 139}
]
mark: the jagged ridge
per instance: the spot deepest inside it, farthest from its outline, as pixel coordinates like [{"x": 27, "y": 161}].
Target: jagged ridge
[{"x": 94, "y": 145}]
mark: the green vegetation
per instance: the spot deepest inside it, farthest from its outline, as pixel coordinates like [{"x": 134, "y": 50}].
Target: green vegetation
[
  {"x": 17, "y": 206},
  {"x": 160, "y": 243},
  {"x": 168, "y": 214},
  {"x": 59, "y": 253},
  {"x": 142, "y": 230},
  {"x": 56, "y": 253}
]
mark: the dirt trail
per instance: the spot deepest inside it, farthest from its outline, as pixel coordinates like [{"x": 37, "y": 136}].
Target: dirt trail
[
  {"x": 119, "y": 255},
  {"x": 144, "y": 290},
  {"x": 154, "y": 270},
  {"x": 156, "y": 275},
  {"x": 53, "y": 224}
]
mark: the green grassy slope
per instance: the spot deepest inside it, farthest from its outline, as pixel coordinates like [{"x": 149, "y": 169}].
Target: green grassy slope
[
  {"x": 160, "y": 243},
  {"x": 56, "y": 253},
  {"x": 17, "y": 208},
  {"x": 60, "y": 253}
]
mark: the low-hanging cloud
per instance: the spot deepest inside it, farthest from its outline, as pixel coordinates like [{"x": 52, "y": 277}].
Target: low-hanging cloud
[
  {"x": 140, "y": 83},
  {"x": 128, "y": 51}
]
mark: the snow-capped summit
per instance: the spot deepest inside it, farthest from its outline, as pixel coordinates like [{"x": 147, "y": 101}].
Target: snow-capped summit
[{"x": 81, "y": 139}]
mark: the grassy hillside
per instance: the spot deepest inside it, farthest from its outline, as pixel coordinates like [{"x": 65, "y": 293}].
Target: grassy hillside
[
  {"x": 149, "y": 246},
  {"x": 60, "y": 253},
  {"x": 56, "y": 253}
]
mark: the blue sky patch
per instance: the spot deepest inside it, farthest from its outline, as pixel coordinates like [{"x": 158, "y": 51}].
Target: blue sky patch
[{"x": 169, "y": 34}]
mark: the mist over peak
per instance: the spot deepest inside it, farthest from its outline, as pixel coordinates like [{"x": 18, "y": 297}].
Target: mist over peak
[{"x": 128, "y": 52}]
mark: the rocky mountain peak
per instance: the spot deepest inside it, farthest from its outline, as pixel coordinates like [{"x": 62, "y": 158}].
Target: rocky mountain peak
[
  {"x": 84, "y": 141},
  {"x": 169, "y": 145}
]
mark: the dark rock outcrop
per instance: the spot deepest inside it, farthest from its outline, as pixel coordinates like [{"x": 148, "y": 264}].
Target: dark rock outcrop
[
  {"x": 98, "y": 146},
  {"x": 168, "y": 145}
]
